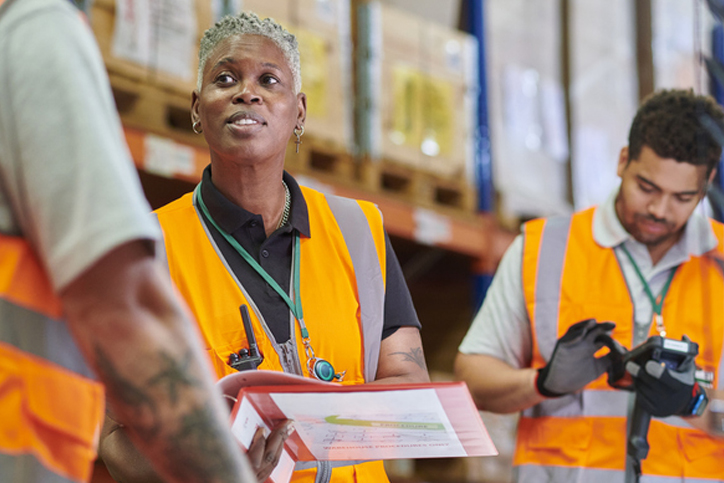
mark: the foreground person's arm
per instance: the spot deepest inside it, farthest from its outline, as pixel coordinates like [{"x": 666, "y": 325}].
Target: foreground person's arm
[{"x": 140, "y": 341}]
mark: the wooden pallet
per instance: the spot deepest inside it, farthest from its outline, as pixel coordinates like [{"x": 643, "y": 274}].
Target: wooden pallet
[
  {"x": 153, "y": 109},
  {"x": 158, "y": 111},
  {"x": 322, "y": 160},
  {"x": 418, "y": 187}
]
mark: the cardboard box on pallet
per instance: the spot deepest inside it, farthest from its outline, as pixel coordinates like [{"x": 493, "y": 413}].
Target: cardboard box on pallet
[
  {"x": 416, "y": 91},
  {"x": 102, "y": 18},
  {"x": 389, "y": 84},
  {"x": 181, "y": 28},
  {"x": 154, "y": 42},
  {"x": 323, "y": 31},
  {"x": 449, "y": 61}
]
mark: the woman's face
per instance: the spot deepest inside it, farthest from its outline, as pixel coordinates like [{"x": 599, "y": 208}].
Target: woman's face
[{"x": 247, "y": 106}]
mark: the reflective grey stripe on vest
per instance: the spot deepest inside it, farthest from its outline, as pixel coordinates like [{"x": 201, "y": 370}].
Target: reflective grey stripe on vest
[
  {"x": 561, "y": 474},
  {"x": 40, "y": 336},
  {"x": 370, "y": 286},
  {"x": 548, "y": 283},
  {"x": 589, "y": 403},
  {"x": 361, "y": 246},
  {"x": 25, "y": 468}
]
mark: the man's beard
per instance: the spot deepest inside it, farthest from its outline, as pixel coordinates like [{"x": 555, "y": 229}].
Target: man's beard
[{"x": 649, "y": 239}]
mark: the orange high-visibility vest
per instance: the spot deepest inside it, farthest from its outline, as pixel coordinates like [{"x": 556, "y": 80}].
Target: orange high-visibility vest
[
  {"x": 568, "y": 277},
  {"x": 50, "y": 410},
  {"x": 342, "y": 286}
]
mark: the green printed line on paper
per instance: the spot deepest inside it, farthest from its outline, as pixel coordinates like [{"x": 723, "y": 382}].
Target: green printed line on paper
[{"x": 335, "y": 419}]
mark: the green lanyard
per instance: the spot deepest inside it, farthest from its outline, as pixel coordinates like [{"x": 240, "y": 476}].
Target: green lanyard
[
  {"x": 296, "y": 305},
  {"x": 318, "y": 367},
  {"x": 657, "y": 303}
]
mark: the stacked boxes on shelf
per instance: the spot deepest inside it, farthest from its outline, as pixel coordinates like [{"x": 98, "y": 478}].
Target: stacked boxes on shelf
[
  {"x": 150, "y": 50},
  {"x": 323, "y": 30},
  {"x": 102, "y": 16},
  {"x": 152, "y": 41},
  {"x": 449, "y": 100},
  {"x": 417, "y": 86},
  {"x": 389, "y": 61}
]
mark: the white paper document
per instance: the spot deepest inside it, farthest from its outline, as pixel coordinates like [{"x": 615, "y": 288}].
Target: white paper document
[
  {"x": 371, "y": 425},
  {"x": 333, "y": 422}
]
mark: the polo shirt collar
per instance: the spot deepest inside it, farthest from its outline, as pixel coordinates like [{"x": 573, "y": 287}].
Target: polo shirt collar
[
  {"x": 230, "y": 217},
  {"x": 608, "y": 231}
]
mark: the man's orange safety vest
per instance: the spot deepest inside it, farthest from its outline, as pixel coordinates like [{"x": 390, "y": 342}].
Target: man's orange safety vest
[
  {"x": 568, "y": 277},
  {"x": 50, "y": 409},
  {"x": 342, "y": 286}
]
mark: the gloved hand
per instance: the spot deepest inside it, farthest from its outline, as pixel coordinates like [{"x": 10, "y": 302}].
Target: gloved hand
[
  {"x": 572, "y": 365},
  {"x": 662, "y": 391}
]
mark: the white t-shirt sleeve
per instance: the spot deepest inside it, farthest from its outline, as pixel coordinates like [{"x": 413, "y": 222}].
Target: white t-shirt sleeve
[
  {"x": 501, "y": 327},
  {"x": 66, "y": 171}
]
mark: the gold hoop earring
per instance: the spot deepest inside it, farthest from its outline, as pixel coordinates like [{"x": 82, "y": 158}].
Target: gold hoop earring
[
  {"x": 298, "y": 132},
  {"x": 195, "y": 127}
]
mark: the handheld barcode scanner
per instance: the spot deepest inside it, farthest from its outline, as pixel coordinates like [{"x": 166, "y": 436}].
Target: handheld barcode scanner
[
  {"x": 246, "y": 359},
  {"x": 673, "y": 354}
]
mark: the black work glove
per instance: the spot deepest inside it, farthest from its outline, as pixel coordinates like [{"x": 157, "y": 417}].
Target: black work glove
[
  {"x": 572, "y": 365},
  {"x": 662, "y": 391}
]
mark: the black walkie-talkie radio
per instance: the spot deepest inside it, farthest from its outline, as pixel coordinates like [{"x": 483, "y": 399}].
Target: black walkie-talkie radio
[{"x": 246, "y": 359}]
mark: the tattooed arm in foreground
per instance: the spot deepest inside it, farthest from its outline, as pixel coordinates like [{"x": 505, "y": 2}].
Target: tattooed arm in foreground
[
  {"x": 141, "y": 343},
  {"x": 401, "y": 358}
]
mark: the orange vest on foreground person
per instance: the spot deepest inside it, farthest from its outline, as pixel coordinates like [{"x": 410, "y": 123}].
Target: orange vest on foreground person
[
  {"x": 342, "y": 286},
  {"x": 50, "y": 409},
  {"x": 568, "y": 277}
]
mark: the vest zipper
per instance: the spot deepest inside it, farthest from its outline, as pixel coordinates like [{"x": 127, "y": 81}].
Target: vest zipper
[
  {"x": 324, "y": 472},
  {"x": 288, "y": 357}
]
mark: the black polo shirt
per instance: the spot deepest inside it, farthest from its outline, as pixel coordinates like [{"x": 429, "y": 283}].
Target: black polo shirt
[{"x": 274, "y": 254}]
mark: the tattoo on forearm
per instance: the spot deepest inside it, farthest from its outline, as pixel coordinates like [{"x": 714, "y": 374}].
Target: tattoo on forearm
[
  {"x": 174, "y": 375},
  {"x": 204, "y": 457},
  {"x": 415, "y": 355},
  {"x": 195, "y": 448},
  {"x": 128, "y": 394}
]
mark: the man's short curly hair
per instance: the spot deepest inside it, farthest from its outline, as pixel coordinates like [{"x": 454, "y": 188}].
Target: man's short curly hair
[
  {"x": 250, "y": 23},
  {"x": 668, "y": 122}
]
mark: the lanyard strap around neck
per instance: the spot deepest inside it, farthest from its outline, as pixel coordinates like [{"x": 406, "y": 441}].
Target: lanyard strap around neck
[
  {"x": 656, "y": 302},
  {"x": 296, "y": 305}
]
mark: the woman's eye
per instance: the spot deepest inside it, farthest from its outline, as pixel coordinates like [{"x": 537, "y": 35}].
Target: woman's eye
[
  {"x": 645, "y": 189},
  {"x": 269, "y": 80},
  {"x": 224, "y": 79}
]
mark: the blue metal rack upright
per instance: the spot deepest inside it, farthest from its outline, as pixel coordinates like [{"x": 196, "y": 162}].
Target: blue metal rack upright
[
  {"x": 475, "y": 16},
  {"x": 717, "y": 90}
]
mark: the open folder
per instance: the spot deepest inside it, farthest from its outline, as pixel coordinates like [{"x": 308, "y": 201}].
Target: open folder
[{"x": 362, "y": 422}]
